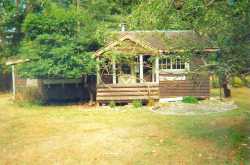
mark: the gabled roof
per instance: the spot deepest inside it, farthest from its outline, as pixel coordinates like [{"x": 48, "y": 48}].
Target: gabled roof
[{"x": 161, "y": 41}]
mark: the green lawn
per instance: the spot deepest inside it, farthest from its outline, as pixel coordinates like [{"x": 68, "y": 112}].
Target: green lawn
[{"x": 76, "y": 135}]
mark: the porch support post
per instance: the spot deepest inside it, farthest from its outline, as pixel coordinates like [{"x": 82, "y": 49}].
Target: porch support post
[
  {"x": 13, "y": 81},
  {"x": 157, "y": 69},
  {"x": 114, "y": 71},
  {"x": 153, "y": 72},
  {"x": 98, "y": 78},
  {"x": 141, "y": 68}
]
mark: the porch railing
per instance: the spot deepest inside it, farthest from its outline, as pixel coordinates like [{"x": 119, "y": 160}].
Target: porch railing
[{"x": 121, "y": 92}]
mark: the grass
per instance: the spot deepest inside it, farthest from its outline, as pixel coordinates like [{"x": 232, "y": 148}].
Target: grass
[{"x": 79, "y": 135}]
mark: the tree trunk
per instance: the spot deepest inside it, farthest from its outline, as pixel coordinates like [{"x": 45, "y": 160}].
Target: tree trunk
[
  {"x": 17, "y": 6},
  {"x": 91, "y": 96},
  {"x": 90, "y": 91},
  {"x": 225, "y": 86}
]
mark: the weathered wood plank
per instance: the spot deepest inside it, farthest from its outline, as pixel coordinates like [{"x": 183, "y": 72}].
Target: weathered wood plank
[
  {"x": 129, "y": 85},
  {"x": 199, "y": 87},
  {"x": 128, "y": 94},
  {"x": 61, "y": 81},
  {"x": 126, "y": 98},
  {"x": 120, "y": 92},
  {"x": 126, "y": 89}
]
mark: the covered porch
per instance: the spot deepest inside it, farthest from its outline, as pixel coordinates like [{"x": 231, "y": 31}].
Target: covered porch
[{"x": 124, "y": 81}]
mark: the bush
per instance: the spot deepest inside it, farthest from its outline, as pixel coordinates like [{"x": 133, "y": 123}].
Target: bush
[
  {"x": 215, "y": 82},
  {"x": 237, "y": 82},
  {"x": 137, "y": 103},
  {"x": 190, "y": 99},
  {"x": 112, "y": 104}
]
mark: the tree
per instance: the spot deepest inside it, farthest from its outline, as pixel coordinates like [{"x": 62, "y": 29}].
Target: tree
[
  {"x": 53, "y": 45},
  {"x": 61, "y": 35},
  {"x": 227, "y": 23}
]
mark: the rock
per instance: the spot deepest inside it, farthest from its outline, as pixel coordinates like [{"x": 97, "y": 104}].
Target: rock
[{"x": 156, "y": 108}]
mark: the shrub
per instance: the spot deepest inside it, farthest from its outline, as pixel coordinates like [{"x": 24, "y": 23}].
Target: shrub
[
  {"x": 112, "y": 104},
  {"x": 215, "y": 82},
  {"x": 137, "y": 103},
  {"x": 237, "y": 82},
  {"x": 190, "y": 99}
]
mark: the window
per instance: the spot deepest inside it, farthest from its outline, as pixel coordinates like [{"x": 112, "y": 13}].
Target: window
[
  {"x": 168, "y": 63},
  {"x": 173, "y": 63}
]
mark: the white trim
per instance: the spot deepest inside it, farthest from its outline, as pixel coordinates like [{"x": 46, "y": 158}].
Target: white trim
[
  {"x": 170, "y": 99},
  {"x": 172, "y": 78},
  {"x": 141, "y": 68},
  {"x": 13, "y": 81},
  {"x": 186, "y": 64},
  {"x": 153, "y": 72},
  {"x": 98, "y": 77},
  {"x": 157, "y": 72},
  {"x": 114, "y": 71}
]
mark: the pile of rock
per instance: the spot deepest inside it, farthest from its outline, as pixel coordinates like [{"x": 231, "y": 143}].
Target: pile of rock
[{"x": 203, "y": 107}]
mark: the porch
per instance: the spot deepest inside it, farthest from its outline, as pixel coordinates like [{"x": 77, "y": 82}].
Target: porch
[
  {"x": 127, "y": 93},
  {"x": 136, "y": 79}
]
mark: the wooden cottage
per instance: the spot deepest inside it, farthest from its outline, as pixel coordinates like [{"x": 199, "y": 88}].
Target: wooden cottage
[{"x": 145, "y": 65}]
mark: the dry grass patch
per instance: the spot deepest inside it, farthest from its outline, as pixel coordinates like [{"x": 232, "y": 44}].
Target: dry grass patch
[{"x": 76, "y": 135}]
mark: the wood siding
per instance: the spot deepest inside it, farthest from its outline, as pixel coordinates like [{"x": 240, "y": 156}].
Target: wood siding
[
  {"x": 62, "y": 90},
  {"x": 184, "y": 84},
  {"x": 117, "y": 92},
  {"x": 172, "y": 88}
]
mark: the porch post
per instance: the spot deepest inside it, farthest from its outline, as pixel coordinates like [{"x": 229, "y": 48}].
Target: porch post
[
  {"x": 141, "y": 68},
  {"x": 157, "y": 69},
  {"x": 13, "y": 81},
  {"x": 153, "y": 72},
  {"x": 114, "y": 71},
  {"x": 98, "y": 78}
]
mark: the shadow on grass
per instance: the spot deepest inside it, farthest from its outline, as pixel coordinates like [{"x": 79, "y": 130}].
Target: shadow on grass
[{"x": 229, "y": 133}]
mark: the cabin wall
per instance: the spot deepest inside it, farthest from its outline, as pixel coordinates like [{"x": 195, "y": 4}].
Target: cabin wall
[
  {"x": 177, "y": 85},
  {"x": 189, "y": 87}
]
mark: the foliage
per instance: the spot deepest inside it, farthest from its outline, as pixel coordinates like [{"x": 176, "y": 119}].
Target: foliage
[
  {"x": 59, "y": 35},
  {"x": 112, "y": 104},
  {"x": 227, "y": 23},
  {"x": 137, "y": 103},
  {"x": 215, "y": 82},
  {"x": 190, "y": 99},
  {"x": 237, "y": 82},
  {"x": 53, "y": 46},
  {"x": 62, "y": 34}
]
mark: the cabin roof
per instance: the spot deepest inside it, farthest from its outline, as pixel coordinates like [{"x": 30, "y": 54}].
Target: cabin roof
[{"x": 161, "y": 41}]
